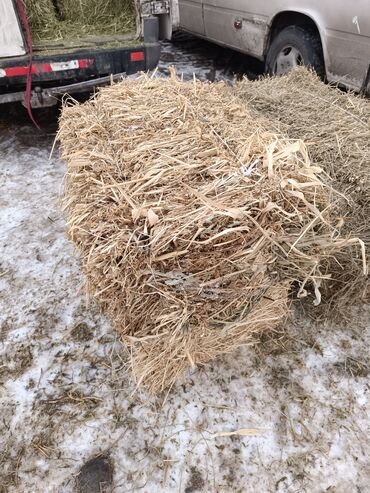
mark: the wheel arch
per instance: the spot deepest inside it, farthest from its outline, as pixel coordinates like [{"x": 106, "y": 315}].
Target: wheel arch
[{"x": 295, "y": 18}]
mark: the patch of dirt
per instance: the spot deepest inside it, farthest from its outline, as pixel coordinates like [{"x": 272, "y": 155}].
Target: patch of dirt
[
  {"x": 353, "y": 367},
  {"x": 95, "y": 476},
  {"x": 195, "y": 482},
  {"x": 82, "y": 332},
  {"x": 10, "y": 461},
  {"x": 15, "y": 363}
]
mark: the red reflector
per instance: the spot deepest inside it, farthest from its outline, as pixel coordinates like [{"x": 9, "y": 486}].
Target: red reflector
[
  {"x": 19, "y": 71},
  {"x": 46, "y": 67},
  {"x": 84, "y": 63},
  {"x": 39, "y": 68},
  {"x": 137, "y": 56}
]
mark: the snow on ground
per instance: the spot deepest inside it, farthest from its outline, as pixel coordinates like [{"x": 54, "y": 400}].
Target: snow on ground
[{"x": 67, "y": 396}]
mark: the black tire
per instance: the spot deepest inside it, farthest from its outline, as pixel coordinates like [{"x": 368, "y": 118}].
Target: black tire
[{"x": 300, "y": 44}]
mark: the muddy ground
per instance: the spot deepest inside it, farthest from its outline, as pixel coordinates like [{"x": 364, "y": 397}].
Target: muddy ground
[{"x": 67, "y": 397}]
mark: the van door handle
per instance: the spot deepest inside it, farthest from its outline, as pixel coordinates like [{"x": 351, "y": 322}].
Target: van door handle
[{"x": 238, "y": 23}]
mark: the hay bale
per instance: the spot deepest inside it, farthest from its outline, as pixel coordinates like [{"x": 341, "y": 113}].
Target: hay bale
[
  {"x": 336, "y": 129},
  {"x": 71, "y": 19},
  {"x": 99, "y": 16},
  {"x": 193, "y": 220},
  {"x": 41, "y": 17}
]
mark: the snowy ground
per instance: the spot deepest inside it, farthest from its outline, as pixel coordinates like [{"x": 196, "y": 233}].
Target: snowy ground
[{"x": 67, "y": 397}]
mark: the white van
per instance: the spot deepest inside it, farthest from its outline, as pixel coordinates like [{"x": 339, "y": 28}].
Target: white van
[{"x": 332, "y": 36}]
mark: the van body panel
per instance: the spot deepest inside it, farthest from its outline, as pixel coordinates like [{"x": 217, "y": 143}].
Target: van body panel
[
  {"x": 245, "y": 25},
  {"x": 230, "y": 23},
  {"x": 191, "y": 16},
  {"x": 11, "y": 39}
]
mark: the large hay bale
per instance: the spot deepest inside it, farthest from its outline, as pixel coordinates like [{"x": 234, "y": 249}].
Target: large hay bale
[
  {"x": 193, "y": 220},
  {"x": 336, "y": 129},
  {"x": 100, "y": 16},
  {"x": 41, "y": 17},
  {"x": 71, "y": 20}
]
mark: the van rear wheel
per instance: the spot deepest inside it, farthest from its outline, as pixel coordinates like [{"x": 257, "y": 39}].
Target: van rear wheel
[{"x": 294, "y": 46}]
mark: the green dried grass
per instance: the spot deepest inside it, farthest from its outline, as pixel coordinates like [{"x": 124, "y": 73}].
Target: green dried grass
[
  {"x": 100, "y": 16},
  {"x": 74, "y": 19},
  {"x": 42, "y": 18}
]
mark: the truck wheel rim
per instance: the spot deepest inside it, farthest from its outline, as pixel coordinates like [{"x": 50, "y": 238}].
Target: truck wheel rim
[{"x": 288, "y": 58}]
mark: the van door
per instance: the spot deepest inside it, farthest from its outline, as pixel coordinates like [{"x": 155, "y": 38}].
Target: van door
[
  {"x": 239, "y": 24},
  {"x": 191, "y": 16},
  {"x": 348, "y": 42}
]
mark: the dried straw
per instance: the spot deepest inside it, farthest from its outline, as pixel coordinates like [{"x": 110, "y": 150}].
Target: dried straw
[
  {"x": 336, "y": 129},
  {"x": 193, "y": 220}
]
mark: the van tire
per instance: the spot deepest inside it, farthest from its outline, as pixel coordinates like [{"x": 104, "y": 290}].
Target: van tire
[{"x": 295, "y": 45}]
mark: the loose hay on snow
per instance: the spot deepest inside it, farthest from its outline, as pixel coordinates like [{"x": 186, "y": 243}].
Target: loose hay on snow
[
  {"x": 335, "y": 126},
  {"x": 193, "y": 220}
]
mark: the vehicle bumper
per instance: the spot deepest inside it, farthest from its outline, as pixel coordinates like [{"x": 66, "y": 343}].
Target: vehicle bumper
[{"x": 77, "y": 71}]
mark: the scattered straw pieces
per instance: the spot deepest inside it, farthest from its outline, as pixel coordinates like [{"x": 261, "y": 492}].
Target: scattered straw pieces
[
  {"x": 244, "y": 432},
  {"x": 190, "y": 256}
]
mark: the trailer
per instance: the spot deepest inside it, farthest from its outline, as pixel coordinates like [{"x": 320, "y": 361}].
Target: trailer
[{"x": 37, "y": 72}]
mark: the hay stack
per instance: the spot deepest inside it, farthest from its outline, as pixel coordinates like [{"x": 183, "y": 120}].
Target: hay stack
[
  {"x": 100, "y": 16},
  {"x": 336, "y": 129},
  {"x": 41, "y": 17},
  {"x": 71, "y": 19},
  {"x": 193, "y": 220}
]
